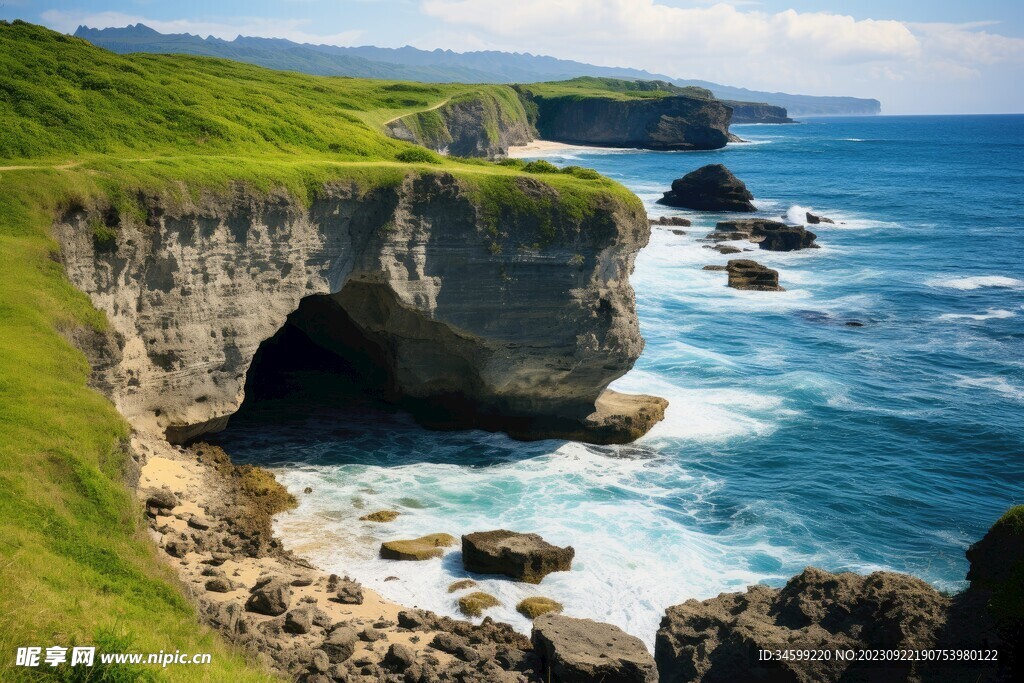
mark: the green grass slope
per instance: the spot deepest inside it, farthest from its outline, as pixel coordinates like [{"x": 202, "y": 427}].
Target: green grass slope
[
  {"x": 586, "y": 87},
  {"x": 80, "y": 126}
]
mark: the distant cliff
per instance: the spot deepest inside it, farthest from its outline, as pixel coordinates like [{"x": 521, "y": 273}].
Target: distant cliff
[
  {"x": 617, "y": 113},
  {"x": 757, "y": 112},
  {"x": 483, "y": 124}
]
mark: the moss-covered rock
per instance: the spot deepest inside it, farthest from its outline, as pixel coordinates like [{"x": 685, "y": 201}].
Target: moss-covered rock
[
  {"x": 474, "y": 604},
  {"x": 531, "y": 608},
  {"x": 462, "y": 584},
  {"x": 380, "y": 516},
  {"x": 423, "y": 548}
]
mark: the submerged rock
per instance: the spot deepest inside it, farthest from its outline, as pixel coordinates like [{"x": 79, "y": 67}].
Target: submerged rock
[
  {"x": 710, "y": 188},
  {"x": 423, "y": 548},
  {"x": 474, "y": 604},
  {"x": 524, "y": 557},
  {"x": 531, "y": 608},
  {"x": 674, "y": 221},
  {"x": 576, "y": 650},
  {"x": 747, "y": 274},
  {"x": 380, "y": 516},
  {"x": 460, "y": 585}
]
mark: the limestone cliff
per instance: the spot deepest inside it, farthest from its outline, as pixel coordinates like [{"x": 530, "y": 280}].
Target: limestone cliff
[
  {"x": 506, "y": 309},
  {"x": 477, "y": 125},
  {"x": 679, "y": 122}
]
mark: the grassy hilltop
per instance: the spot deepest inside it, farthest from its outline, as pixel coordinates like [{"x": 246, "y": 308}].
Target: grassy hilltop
[
  {"x": 80, "y": 126},
  {"x": 613, "y": 89}
]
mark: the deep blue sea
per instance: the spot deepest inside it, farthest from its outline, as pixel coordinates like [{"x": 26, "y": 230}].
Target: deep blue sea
[{"x": 792, "y": 439}]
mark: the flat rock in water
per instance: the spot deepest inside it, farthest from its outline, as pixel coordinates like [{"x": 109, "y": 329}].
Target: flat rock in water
[
  {"x": 747, "y": 274},
  {"x": 574, "y": 650},
  {"x": 525, "y": 557},
  {"x": 710, "y": 188},
  {"x": 423, "y": 548}
]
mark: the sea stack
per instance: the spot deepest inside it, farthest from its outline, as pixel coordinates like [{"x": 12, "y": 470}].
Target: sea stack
[{"x": 710, "y": 188}]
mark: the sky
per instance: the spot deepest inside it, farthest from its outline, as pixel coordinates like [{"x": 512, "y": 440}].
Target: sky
[{"x": 916, "y": 56}]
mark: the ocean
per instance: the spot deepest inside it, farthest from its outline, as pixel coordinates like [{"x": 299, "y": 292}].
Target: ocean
[{"x": 792, "y": 439}]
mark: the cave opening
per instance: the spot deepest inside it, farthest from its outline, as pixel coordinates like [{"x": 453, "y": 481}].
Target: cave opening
[{"x": 319, "y": 362}]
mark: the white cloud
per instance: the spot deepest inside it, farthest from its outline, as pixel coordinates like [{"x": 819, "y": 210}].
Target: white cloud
[
  {"x": 264, "y": 27},
  {"x": 812, "y": 52}
]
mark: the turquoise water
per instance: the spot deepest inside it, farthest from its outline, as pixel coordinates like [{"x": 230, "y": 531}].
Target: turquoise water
[{"x": 791, "y": 438}]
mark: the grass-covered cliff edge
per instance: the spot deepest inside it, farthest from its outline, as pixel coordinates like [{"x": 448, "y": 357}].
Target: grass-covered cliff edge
[{"x": 83, "y": 130}]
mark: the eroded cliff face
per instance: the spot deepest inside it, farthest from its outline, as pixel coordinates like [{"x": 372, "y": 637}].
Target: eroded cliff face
[
  {"x": 497, "y": 317},
  {"x": 476, "y": 126},
  {"x": 668, "y": 123}
]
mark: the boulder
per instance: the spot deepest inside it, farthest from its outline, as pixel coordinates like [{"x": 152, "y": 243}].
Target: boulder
[
  {"x": 716, "y": 268},
  {"x": 747, "y": 274},
  {"x": 299, "y": 621},
  {"x": 161, "y": 499},
  {"x": 524, "y": 557},
  {"x": 399, "y": 657},
  {"x": 573, "y": 650},
  {"x": 710, "y": 188},
  {"x": 270, "y": 597},
  {"x": 349, "y": 592},
  {"x": 531, "y": 608},
  {"x": 726, "y": 249},
  {"x": 221, "y": 584},
  {"x": 716, "y": 640},
  {"x": 474, "y": 604},
  {"x": 814, "y": 220},
  {"x": 340, "y": 645},
  {"x": 423, "y": 548},
  {"x": 461, "y": 584}
]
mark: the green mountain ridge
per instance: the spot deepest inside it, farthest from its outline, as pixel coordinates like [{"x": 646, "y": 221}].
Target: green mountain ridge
[{"x": 408, "y": 63}]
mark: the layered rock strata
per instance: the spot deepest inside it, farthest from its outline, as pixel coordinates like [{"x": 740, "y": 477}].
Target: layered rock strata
[{"x": 468, "y": 314}]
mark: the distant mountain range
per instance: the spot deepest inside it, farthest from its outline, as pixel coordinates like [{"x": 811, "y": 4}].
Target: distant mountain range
[{"x": 439, "y": 66}]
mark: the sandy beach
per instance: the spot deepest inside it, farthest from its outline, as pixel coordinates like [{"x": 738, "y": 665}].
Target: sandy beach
[{"x": 538, "y": 147}]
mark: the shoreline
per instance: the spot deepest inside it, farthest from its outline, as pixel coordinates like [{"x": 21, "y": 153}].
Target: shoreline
[
  {"x": 223, "y": 558},
  {"x": 542, "y": 147}
]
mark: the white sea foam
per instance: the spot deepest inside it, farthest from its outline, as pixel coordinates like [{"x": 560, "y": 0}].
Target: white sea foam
[
  {"x": 976, "y": 282},
  {"x": 997, "y": 384},
  {"x": 990, "y": 314},
  {"x": 636, "y": 553},
  {"x": 798, "y": 214}
]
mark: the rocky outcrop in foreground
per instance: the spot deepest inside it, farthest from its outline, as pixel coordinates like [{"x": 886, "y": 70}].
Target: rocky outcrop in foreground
[
  {"x": 709, "y": 188},
  {"x": 450, "y": 305},
  {"x": 720, "y": 639},
  {"x": 578, "y": 650}
]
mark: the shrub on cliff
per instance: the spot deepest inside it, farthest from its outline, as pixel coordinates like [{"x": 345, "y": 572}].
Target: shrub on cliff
[{"x": 417, "y": 155}]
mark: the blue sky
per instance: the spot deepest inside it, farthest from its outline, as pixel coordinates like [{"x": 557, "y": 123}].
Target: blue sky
[{"x": 916, "y": 56}]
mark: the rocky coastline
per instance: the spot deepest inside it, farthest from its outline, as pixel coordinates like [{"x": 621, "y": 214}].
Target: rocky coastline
[{"x": 212, "y": 519}]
